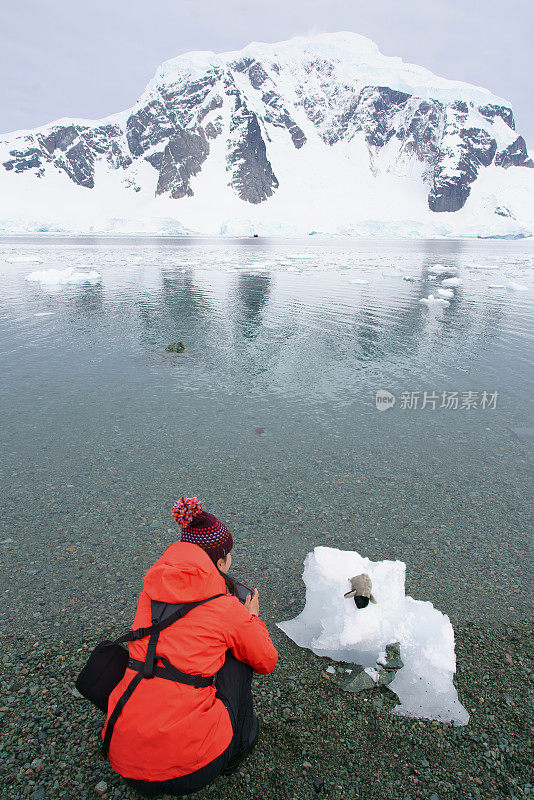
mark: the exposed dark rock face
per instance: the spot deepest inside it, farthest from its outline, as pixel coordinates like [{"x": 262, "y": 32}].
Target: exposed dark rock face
[
  {"x": 379, "y": 104},
  {"x": 256, "y": 103},
  {"x": 252, "y": 175},
  {"x": 491, "y": 111},
  {"x": 181, "y": 159},
  {"x": 420, "y": 129},
  {"x": 21, "y": 160},
  {"x": 457, "y": 167},
  {"x": 147, "y": 127},
  {"x": 276, "y": 112},
  {"x": 515, "y": 155}
]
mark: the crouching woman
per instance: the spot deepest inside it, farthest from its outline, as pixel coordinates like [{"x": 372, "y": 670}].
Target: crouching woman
[{"x": 172, "y": 737}]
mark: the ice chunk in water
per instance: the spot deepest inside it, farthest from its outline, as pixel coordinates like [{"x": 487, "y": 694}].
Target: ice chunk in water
[
  {"x": 54, "y": 277},
  {"x": 24, "y": 260},
  {"x": 516, "y": 287},
  {"x": 431, "y": 300},
  {"x": 331, "y": 625},
  {"x": 439, "y": 269}
]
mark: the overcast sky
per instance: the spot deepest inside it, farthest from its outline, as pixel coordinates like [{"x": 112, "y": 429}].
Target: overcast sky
[{"x": 59, "y": 58}]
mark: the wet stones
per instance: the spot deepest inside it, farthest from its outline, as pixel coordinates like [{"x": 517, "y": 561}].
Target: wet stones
[
  {"x": 360, "y": 680},
  {"x": 175, "y": 347},
  {"x": 394, "y": 661}
]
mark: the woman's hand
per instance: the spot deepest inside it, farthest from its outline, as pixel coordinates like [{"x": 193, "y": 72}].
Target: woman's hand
[{"x": 252, "y": 603}]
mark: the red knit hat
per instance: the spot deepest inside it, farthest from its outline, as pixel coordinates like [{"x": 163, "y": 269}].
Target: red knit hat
[{"x": 199, "y": 527}]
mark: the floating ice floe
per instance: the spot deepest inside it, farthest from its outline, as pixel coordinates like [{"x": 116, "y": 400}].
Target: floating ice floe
[
  {"x": 44, "y": 313},
  {"x": 483, "y": 266},
  {"x": 409, "y": 278},
  {"x": 439, "y": 269},
  {"x": 446, "y": 292},
  {"x": 359, "y": 281},
  {"x": 451, "y": 282},
  {"x": 331, "y": 625},
  {"x": 496, "y": 286},
  {"x": 516, "y": 287},
  {"x": 436, "y": 301},
  {"x": 24, "y": 260},
  {"x": 61, "y": 276}
]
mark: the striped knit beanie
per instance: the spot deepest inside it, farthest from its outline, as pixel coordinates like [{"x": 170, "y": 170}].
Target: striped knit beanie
[{"x": 199, "y": 527}]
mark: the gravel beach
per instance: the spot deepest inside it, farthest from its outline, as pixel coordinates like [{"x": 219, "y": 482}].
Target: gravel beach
[{"x": 315, "y": 739}]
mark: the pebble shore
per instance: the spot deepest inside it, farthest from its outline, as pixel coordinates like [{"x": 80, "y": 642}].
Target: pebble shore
[{"x": 315, "y": 739}]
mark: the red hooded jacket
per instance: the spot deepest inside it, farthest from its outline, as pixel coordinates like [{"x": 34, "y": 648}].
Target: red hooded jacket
[{"x": 169, "y": 729}]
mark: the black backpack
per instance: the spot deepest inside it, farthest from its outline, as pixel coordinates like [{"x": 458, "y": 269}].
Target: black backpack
[{"x": 107, "y": 663}]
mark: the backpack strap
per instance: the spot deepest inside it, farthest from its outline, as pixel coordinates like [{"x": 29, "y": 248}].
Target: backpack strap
[
  {"x": 183, "y": 609},
  {"x": 123, "y": 699},
  {"x": 148, "y": 669},
  {"x": 171, "y": 673}
]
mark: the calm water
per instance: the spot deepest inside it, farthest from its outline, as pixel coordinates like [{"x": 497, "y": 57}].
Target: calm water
[{"x": 269, "y": 416}]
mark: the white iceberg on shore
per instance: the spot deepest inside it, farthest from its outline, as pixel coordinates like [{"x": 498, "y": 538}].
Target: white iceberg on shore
[{"x": 331, "y": 625}]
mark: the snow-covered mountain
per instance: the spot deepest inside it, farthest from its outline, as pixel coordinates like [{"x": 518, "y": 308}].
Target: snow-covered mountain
[{"x": 316, "y": 134}]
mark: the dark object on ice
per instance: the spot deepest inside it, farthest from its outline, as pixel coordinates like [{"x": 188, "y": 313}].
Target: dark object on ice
[
  {"x": 361, "y": 587},
  {"x": 361, "y": 601},
  {"x": 318, "y": 784},
  {"x": 175, "y": 347},
  {"x": 259, "y": 430},
  {"x": 256, "y": 236}
]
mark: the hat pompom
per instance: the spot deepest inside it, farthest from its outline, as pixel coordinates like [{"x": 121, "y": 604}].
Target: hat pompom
[{"x": 185, "y": 509}]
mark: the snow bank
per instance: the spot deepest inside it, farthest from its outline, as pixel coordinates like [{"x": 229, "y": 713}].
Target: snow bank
[
  {"x": 331, "y": 625},
  {"x": 60, "y": 276}
]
